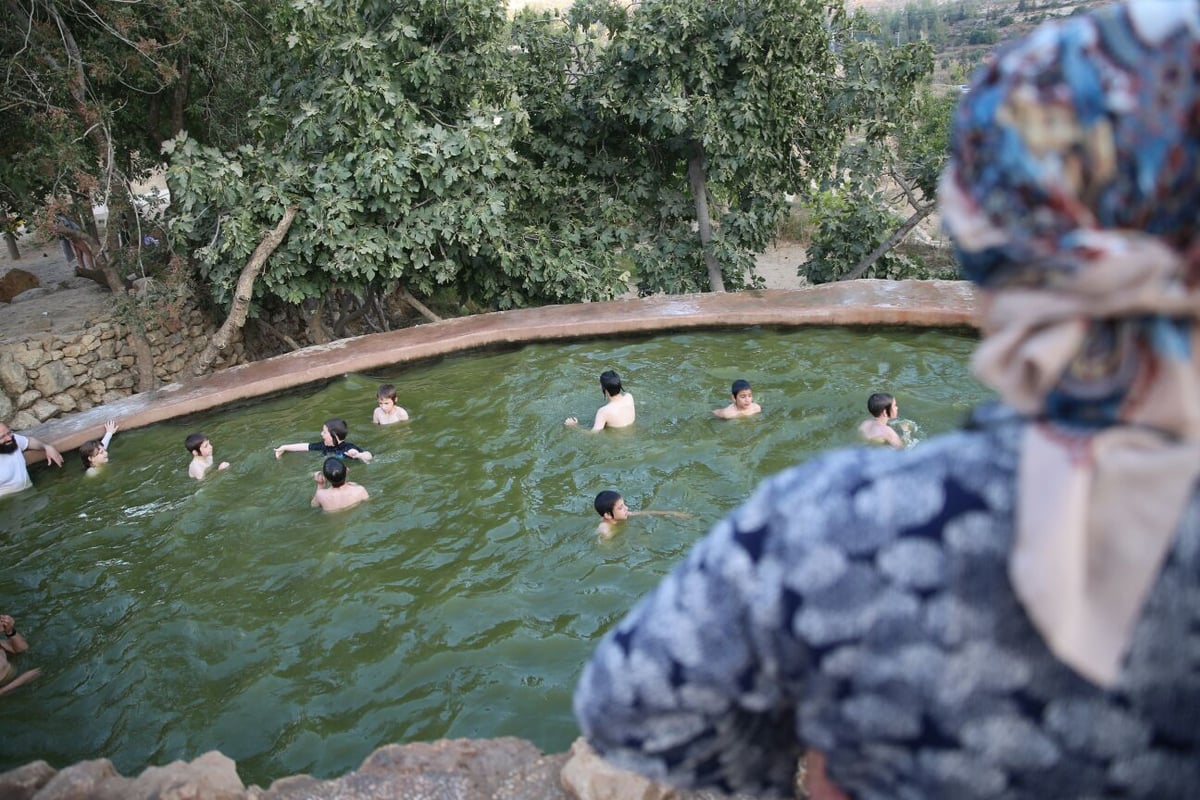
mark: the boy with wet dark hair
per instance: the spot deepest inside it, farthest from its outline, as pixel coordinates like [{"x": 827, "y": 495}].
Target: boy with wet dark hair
[
  {"x": 883, "y": 409},
  {"x": 202, "y": 456},
  {"x": 612, "y": 510},
  {"x": 610, "y": 382},
  {"x": 334, "y": 492},
  {"x": 617, "y": 411},
  {"x": 743, "y": 404},
  {"x": 333, "y": 443},
  {"x": 94, "y": 452},
  {"x": 388, "y": 412}
]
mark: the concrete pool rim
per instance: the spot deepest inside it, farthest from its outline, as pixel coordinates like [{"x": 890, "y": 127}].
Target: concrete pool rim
[{"x": 921, "y": 304}]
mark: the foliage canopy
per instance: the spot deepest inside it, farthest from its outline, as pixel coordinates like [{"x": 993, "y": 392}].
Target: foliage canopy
[{"x": 441, "y": 148}]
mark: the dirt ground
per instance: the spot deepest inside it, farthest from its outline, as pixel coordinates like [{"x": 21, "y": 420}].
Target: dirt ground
[
  {"x": 778, "y": 265},
  {"x": 65, "y": 303}
]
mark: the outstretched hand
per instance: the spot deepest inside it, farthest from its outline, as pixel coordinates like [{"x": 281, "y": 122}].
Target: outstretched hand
[{"x": 656, "y": 513}]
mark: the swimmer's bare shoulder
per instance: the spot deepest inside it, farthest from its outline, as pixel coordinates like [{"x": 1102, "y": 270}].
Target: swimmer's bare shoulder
[
  {"x": 875, "y": 433},
  {"x": 621, "y": 412}
]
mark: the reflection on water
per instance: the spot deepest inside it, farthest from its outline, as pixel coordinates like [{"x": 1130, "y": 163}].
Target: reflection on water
[{"x": 172, "y": 617}]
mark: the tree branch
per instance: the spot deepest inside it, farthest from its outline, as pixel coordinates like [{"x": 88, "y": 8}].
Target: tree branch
[
  {"x": 417, "y": 304},
  {"x": 243, "y": 292},
  {"x": 278, "y": 334},
  {"x": 898, "y": 236}
]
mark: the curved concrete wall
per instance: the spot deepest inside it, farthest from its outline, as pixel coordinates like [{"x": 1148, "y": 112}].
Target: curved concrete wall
[{"x": 864, "y": 302}]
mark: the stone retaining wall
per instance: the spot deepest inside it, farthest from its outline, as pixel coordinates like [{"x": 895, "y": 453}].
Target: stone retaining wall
[{"x": 50, "y": 374}]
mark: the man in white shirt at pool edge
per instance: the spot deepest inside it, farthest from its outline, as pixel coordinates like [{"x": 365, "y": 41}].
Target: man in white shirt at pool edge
[{"x": 14, "y": 475}]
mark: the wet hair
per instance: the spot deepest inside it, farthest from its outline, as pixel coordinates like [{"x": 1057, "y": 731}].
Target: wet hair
[
  {"x": 334, "y": 471},
  {"x": 610, "y": 382},
  {"x": 338, "y": 429},
  {"x": 740, "y": 385},
  {"x": 605, "y": 501},
  {"x": 87, "y": 450},
  {"x": 386, "y": 391},
  {"x": 879, "y": 403},
  {"x": 193, "y": 442}
]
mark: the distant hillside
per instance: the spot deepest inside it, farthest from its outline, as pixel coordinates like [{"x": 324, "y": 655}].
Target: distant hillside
[
  {"x": 963, "y": 32},
  {"x": 896, "y": 5},
  {"x": 876, "y": 5}
]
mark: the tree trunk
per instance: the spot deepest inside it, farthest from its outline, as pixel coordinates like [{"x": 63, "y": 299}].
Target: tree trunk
[
  {"x": 243, "y": 292},
  {"x": 116, "y": 230},
  {"x": 700, "y": 192},
  {"x": 145, "y": 362},
  {"x": 278, "y": 334},
  {"x": 152, "y": 118},
  {"x": 91, "y": 117},
  {"x": 407, "y": 297},
  {"x": 82, "y": 210},
  {"x": 97, "y": 133},
  {"x": 90, "y": 255},
  {"x": 347, "y": 313},
  {"x": 179, "y": 102},
  {"x": 861, "y": 268},
  {"x": 90, "y": 265},
  {"x": 317, "y": 332}
]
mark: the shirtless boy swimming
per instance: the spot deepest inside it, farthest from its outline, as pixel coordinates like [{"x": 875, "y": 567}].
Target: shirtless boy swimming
[
  {"x": 612, "y": 510},
  {"x": 743, "y": 404},
  {"x": 202, "y": 456},
  {"x": 334, "y": 492},
  {"x": 617, "y": 411},
  {"x": 883, "y": 409},
  {"x": 387, "y": 411}
]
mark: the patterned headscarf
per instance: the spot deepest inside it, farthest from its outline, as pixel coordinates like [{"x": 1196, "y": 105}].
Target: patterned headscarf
[{"x": 1073, "y": 200}]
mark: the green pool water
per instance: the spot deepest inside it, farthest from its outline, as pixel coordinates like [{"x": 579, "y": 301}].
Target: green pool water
[{"x": 172, "y": 617}]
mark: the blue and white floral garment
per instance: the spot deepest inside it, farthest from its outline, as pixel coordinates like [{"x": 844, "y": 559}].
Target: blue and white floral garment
[{"x": 860, "y": 605}]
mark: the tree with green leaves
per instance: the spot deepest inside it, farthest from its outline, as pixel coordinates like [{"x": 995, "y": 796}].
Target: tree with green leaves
[
  {"x": 722, "y": 109},
  {"x": 90, "y": 90},
  {"x": 394, "y": 132},
  {"x": 887, "y": 186},
  {"x": 435, "y": 150}
]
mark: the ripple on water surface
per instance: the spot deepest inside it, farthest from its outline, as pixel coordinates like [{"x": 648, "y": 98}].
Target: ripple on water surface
[{"x": 171, "y": 617}]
